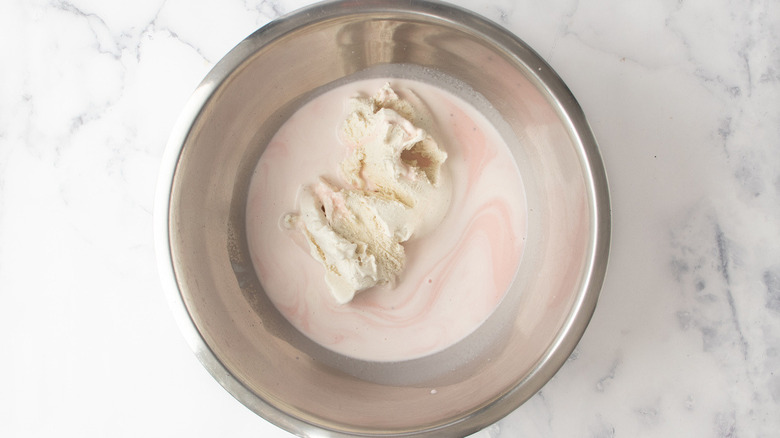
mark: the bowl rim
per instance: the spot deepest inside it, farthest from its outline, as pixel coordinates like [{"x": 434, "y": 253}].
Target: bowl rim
[{"x": 567, "y": 106}]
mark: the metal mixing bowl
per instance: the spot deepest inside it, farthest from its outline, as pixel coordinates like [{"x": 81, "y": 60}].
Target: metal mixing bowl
[{"x": 220, "y": 305}]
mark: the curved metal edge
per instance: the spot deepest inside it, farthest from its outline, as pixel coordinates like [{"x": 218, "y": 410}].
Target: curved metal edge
[
  {"x": 600, "y": 236},
  {"x": 598, "y": 191},
  {"x": 161, "y": 224}
]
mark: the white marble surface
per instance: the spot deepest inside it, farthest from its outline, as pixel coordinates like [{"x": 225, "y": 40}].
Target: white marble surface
[{"x": 683, "y": 96}]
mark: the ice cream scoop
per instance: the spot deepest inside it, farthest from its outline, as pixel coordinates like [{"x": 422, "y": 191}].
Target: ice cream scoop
[{"x": 395, "y": 188}]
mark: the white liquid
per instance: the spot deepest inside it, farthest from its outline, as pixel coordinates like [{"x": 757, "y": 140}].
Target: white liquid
[{"x": 454, "y": 277}]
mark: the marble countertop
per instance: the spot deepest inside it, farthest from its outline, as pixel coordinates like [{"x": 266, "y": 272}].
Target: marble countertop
[{"x": 683, "y": 97}]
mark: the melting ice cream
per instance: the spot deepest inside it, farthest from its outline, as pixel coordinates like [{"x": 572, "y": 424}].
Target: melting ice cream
[{"x": 394, "y": 188}]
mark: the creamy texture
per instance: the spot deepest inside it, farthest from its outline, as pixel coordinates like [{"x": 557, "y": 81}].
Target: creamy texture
[
  {"x": 454, "y": 276},
  {"x": 393, "y": 172}
]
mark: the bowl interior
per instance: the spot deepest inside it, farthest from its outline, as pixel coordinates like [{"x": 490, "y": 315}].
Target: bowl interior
[{"x": 266, "y": 363}]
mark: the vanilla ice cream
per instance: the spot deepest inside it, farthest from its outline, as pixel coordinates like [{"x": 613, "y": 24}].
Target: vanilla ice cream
[{"x": 395, "y": 188}]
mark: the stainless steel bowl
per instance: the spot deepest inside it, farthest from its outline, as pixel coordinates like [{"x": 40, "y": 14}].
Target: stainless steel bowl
[{"x": 219, "y": 302}]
